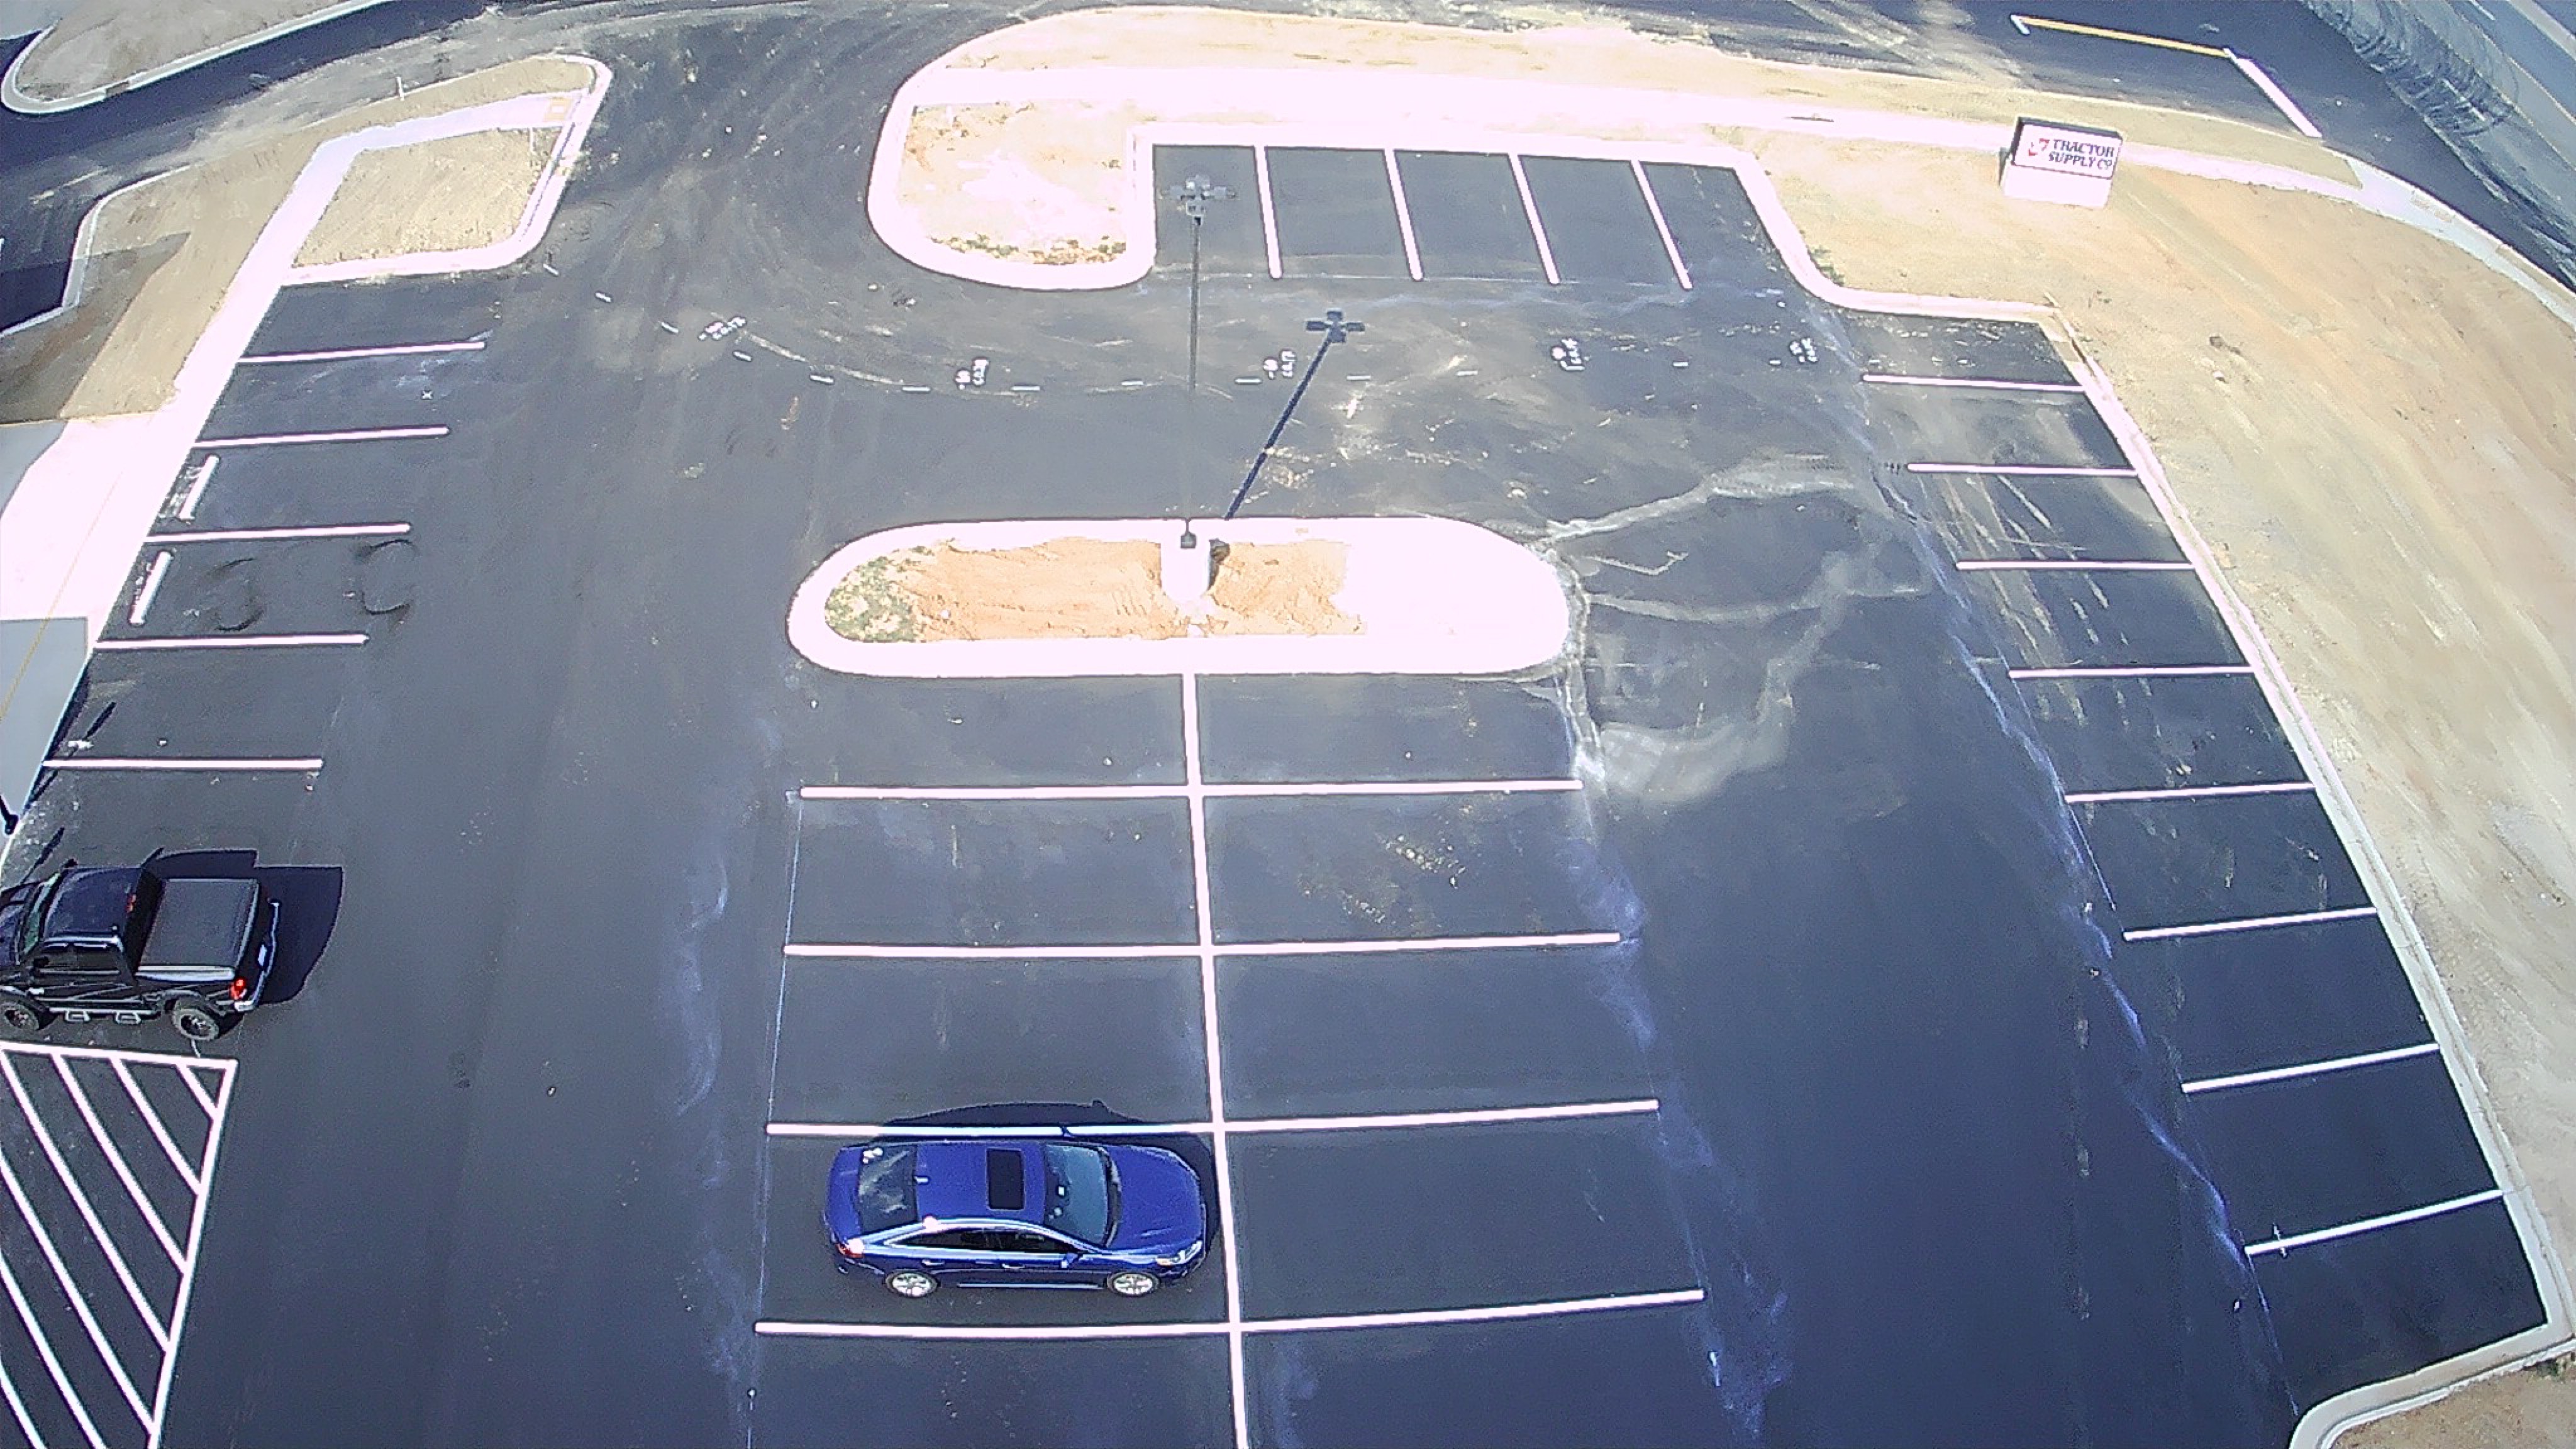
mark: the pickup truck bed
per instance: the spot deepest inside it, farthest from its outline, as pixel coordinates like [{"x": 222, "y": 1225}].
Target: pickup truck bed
[{"x": 201, "y": 926}]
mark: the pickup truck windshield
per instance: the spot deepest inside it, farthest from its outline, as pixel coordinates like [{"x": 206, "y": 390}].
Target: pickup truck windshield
[{"x": 31, "y": 926}]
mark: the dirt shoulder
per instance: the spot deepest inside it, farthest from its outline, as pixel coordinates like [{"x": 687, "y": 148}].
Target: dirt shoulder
[
  {"x": 2373, "y": 431},
  {"x": 434, "y": 196},
  {"x": 104, "y": 46},
  {"x": 162, "y": 252}
]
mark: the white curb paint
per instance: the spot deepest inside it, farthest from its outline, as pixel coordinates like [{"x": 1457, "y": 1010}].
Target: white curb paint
[{"x": 1434, "y": 596}]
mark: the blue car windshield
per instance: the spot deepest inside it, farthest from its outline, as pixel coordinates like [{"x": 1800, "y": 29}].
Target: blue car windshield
[
  {"x": 885, "y": 1190},
  {"x": 1082, "y": 1192}
]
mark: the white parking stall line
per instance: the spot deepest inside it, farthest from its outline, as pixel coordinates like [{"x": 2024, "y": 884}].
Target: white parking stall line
[
  {"x": 211, "y": 766},
  {"x": 231, "y": 641},
  {"x": 1902, "y": 379},
  {"x": 53, "y": 1362},
  {"x": 1340, "y": 1322},
  {"x": 262, "y": 535},
  {"x": 2190, "y": 792},
  {"x": 160, "y": 1132},
  {"x": 205, "y": 472},
  {"x": 2130, "y": 671},
  {"x": 116, "y": 1161},
  {"x": 143, "y": 1308},
  {"x": 197, "y": 1088},
  {"x": 2074, "y": 565},
  {"x": 1269, "y": 217},
  {"x": 1655, "y": 209},
  {"x": 71, "y": 1292},
  {"x": 1249, "y": 790},
  {"x": 2370, "y": 1225},
  {"x": 1211, "y": 1048},
  {"x": 2022, "y": 470},
  {"x": 2248, "y": 923},
  {"x": 1403, "y": 216},
  {"x": 150, "y": 586},
  {"x": 350, "y": 435},
  {"x": 1538, "y": 229},
  {"x": 1463, "y": 1117},
  {"x": 1374, "y": 946},
  {"x": 2309, "y": 1069},
  {"x": 2279, "y": 98},
  {"x": 408, "y": 349}
]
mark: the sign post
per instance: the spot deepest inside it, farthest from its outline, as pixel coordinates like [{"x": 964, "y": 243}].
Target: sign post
[{"x": 2069, "y": 165}]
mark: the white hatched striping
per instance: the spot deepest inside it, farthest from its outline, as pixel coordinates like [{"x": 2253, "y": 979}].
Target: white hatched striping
[{"x": 142, "y": 1375}]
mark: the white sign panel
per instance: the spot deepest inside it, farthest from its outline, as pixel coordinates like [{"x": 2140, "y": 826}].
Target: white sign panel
[{"x": 2072, "y": 165}]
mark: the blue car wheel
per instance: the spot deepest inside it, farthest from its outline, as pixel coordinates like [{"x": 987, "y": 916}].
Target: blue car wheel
[
  {"x": 911, "y": 1283},
  {"x": 1133, "y": 1284}
]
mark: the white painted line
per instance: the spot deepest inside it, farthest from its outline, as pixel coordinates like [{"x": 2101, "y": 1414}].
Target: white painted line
[
  {"x": 197, "y": 486},
  {"x": 1269, "y": 218},
  {"x": 1496, "y": 1313},
  {"x": 2309, "y": 1069},
  {"x": 2189, "y": 792},
  {"x": 1203, "y": 908},
  {"x": 18, "y": 1407},
  {"x": 2278, "y": 97},
  {"x": 2074, "y": 565},
  {"x": 1465, "y": 1117},
  {"x": 1248, "y": 790},
  {"x": 229, "y": 641},
  {"x": 1472, "y": 1117},
  {"x": 196, "y": 1235},
  {"x": 1538, "y": 229},
  {"x": 98, "y": 1231},
  {"x": 405, "y": 350},
  {"x": 1901, "y": 379},
  {"x": 90, "y": 762},
  {"x": 160, "y": 1130},
  {"x": 116, "y": 1161},
  {"x": 1403, "y": 216},
  {"x": 1422, "y": 943},
  {"x": 2249, "y": 923},
  {"x": 53, "y": 1365},
  {"x": 198, "y": 1088},
  {"x": 261, "y": 535},
  {"x": 2327, "y": 1235},
  {"x": 71, "y": 1286},
  {"x": 151, "y": 585},
  {"x": 2131, "y": 671},
  {"x": 2022, "y": 470},
  {"x": 882, "y": 952},
  {"x": 1655, "y": 209},
  {"x": 353, "y": 435}
]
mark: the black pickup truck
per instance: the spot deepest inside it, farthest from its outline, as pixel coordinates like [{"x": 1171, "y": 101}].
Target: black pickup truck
[{"x": 133, "y": 942}]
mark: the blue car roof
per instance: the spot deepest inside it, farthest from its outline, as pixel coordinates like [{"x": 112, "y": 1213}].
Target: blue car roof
[{"x": 974, "y": 1180}]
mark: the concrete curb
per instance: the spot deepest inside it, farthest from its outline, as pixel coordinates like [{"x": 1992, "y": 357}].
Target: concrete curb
[
  {"x": 17, "y": 98},
  {"x": 1433, "y": 595}
]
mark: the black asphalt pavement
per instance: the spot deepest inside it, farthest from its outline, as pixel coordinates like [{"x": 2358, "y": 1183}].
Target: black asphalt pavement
[{"x": 1910, "y": 1117}]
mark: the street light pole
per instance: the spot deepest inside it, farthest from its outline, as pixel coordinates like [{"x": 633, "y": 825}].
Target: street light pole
[
  {"x": 1194, "y": 194},
  {"x": 1335, "y": 329}
]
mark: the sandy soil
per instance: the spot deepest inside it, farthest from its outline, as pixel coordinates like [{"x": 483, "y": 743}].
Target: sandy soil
[
  {"x": 194, "y": 227},
  {"x": 1080, "y": 588},
  {"x": 2373, "y": 431},
  {"x": 1026, "y": 183},
  {"x": 100, "y": 42},
  {"x": 438, "y": 196}
]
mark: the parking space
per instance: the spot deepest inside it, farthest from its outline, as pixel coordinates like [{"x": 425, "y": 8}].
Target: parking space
[
  {"x": 1410, "y": 944},
  {"x": 1468, "y": 220},
  {"x": 973, "y": 1394},
  {"x": 105, "y": 1159},
  {"x": 1229, "y": 237},
  {"x": 399, "y": 312},
  {"x": 1334, "y": 212},
  {"x": 1598, "y": 225},
  {"x": 2306, "y": 1070}
]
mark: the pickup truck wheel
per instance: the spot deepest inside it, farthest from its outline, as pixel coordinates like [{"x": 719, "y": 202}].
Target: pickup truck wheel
[
  {"x": 20, "y": 1015},
  {"x": 911, "y": 1283},
  {"x": 195, "y": 1020}
]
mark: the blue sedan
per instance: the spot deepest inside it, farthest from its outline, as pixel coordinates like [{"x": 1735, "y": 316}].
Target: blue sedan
[{"x": 993, "y": 1212}]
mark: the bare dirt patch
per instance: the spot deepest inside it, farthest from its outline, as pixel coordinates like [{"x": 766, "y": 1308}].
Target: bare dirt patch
[
  {"x": 1020, "y": 182},
  {"x": 212, "y": 212},
  {"x": 1080, "y": 588},
  {"x": 437, "y": 196}
]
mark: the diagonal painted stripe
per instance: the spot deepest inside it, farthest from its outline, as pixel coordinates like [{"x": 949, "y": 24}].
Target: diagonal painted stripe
[
  {"x": 260, "y": 535},
  {"x": 105, "y": 1243},
  {"x": 160, "y": 1131},
  {"x": 1499, "y": 1313},
  {"x": 2035, "y": 22},
  {"x": 70, "y": 1285},
  {"x": 2190, "y": 792},
  {"x": 2248, "y": 923},
  {"x": 407, "y": 349},
  {"x": 1538, "y": 228},
  {"x": 53, "y": 1362},
  {"x": 18, "y": 1408},
  {"x": 116, "y": 1161},
  {"x": 353, "y": 435},
  {"x": 1655, "y": 209}
]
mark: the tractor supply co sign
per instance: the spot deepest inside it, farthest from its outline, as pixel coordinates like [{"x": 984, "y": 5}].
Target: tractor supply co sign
[{"x": 2071, "y": 165}]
